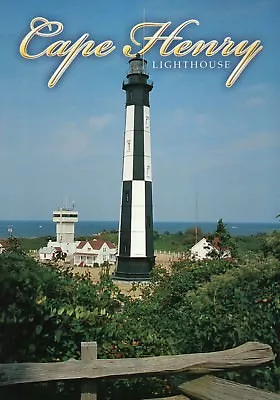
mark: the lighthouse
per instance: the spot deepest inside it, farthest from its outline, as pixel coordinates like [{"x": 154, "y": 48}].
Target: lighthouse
[{"x": 135, "y": 245}]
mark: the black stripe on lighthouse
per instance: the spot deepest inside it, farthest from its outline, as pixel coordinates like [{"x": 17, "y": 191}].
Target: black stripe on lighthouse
[
  {"x": 149, "y": 220},
  {"x": 125, "y": 224},
  {"x": 138, "y": 144}
]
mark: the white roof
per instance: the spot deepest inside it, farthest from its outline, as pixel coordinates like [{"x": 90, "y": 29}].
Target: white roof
[{"x": 46, "y": 250}]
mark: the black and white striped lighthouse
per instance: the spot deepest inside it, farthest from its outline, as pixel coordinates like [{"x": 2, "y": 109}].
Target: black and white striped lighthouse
[{"x": 135, "y": 248}]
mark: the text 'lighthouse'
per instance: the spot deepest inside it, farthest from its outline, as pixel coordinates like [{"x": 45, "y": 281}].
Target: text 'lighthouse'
[{"x": 135, "y": 247}]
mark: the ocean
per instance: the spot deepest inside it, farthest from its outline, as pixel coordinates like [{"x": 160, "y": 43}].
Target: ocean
[{"x": 29, "y": 229}]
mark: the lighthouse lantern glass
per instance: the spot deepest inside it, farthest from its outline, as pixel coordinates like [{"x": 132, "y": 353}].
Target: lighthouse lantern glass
[{"x": 138, "y": 66}]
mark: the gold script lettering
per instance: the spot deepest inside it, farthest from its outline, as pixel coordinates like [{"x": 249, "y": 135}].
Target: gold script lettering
[
  {"x": 62, "y": 48},
  {"x": 211, "y": 48}
]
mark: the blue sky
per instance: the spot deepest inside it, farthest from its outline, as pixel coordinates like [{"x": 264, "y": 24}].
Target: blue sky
[{"x": 222, "y": 143}]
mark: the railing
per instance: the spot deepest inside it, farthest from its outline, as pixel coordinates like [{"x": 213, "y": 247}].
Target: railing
[
  {"x": 171, "y": 254},
  {"x": 89, "y": 368}
]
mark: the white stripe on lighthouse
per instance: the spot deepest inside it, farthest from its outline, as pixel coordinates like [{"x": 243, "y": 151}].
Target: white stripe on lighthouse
[
  {"x": 128, "y": 144},
  {"x": 138, "y": 220},
  {"x": 147, "y": 145},
  {"x": 129, "y": 119}
]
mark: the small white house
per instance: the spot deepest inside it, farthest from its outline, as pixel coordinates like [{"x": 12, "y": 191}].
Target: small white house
[
  {"x": 96, "y": 251},
  {"x": 3, "y": 245},
  {"x": 204, "y": 248},
  {"x": 48, "y": 253}
]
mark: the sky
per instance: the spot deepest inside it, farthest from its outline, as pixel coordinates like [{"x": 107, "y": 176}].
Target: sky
[{"x": 211, "y": 145}]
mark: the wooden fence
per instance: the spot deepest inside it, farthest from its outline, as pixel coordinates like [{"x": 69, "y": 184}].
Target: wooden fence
[{"x": 89, "y": 368}]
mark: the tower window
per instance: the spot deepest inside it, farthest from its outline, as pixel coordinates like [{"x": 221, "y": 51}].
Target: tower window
[
  {"x": 148, "y": 171},
  {"x": 126, "y": 195},
  {"x": 128, "y": 146},
  {"x": 147, "y": 122}
]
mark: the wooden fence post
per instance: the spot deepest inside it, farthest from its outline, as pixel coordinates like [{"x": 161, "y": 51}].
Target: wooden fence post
[{"x": 89, "y": 387}]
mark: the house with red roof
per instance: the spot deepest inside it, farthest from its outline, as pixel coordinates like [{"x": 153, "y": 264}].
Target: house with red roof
[{"x": 96, "y": 251}]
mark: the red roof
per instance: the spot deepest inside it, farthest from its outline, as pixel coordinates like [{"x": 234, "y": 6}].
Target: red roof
[
  {"x": 96, "y": 244},
  {"x": 81, "y": 244}
]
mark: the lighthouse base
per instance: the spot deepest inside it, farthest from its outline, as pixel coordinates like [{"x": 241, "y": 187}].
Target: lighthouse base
[{"x": 134, "y": 268}]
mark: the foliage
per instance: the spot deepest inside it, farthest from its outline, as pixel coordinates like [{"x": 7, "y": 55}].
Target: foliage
[
  {"x": 13, "y": 246},
  {"x": 220, "y": 306},
  {"x": 252, "y": 244},
  {"x": 271, "y": 244},
  {"x": 34, "y": 243},
  {"x": 224, "y": 241},
  {"x": 46, "y": 311}
]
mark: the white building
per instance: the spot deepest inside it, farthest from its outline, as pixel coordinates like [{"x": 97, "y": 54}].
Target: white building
[
  {"x": 65, "y": 220},
  {"x": 48, "y": 253},
  {"x": 3, "y": 245},
  {"x": 96, "y": 251},
  {"x": 204, "y": 249}
]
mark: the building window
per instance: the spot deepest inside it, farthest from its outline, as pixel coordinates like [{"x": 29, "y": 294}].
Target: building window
[
  {"x": 147, "y": 122},
  {"x": 104, "y": 249},
  {"x": 128, "y": 146},
  {"x": 126, "y": 195},
  {"x": 148, "y": 171}
]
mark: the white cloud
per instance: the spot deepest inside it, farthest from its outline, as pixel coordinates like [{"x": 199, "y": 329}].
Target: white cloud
[
  {"x": 255, "y": 101},
  {"x": 258, "y": 141},
  {"x": 180, "y": 116},
  {"x": 99, "y": 122}
]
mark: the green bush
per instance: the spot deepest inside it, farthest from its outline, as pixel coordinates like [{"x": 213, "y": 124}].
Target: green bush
[{"x": 47, "y": 311}]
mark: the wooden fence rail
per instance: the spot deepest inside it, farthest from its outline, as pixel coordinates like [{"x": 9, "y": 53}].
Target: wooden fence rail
[
  {"x": 89, "y": 368},
  {"x": 247, "y": 355}
]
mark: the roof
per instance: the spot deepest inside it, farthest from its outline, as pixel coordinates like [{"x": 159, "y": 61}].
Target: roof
[
  {"x": 96, "y": 244},
  {"x": 46, "y": 250}
]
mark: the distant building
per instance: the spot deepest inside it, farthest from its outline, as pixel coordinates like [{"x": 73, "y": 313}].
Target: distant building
[
  {"x": 3, "y": 245},
  {"x": 48, "y": 253},
  {"x": 65, "y": 220},
  {"x": 96, "y": 251},
  {"x": 204, "y": 249},
  {"x": 82, "y": 253}
]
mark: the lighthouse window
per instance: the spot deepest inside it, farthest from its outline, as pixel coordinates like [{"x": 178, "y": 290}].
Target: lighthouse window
[
  {"x": 126, "y": 195},
  {"x": 128, "y": 146},
  {"x": 148, "y": 171},
  {"x": 147, "y": 122}
]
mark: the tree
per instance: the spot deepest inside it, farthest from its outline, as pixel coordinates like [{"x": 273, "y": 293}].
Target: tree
[
  {"x": 59, "y": 255},
  {"x": 272, "y": 244},
  {"x": 13, "y": 246},
  {"x": 223, "y": 241}
]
